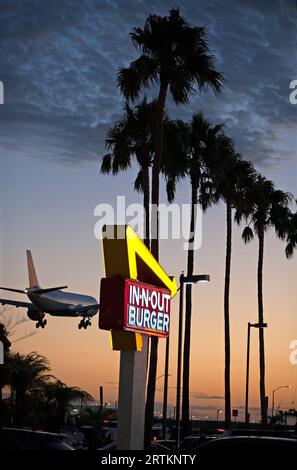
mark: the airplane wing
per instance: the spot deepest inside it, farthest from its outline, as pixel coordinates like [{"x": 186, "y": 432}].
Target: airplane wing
[{"x": 16, "y": 303}]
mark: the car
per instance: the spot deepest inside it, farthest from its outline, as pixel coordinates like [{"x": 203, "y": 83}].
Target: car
[
  {"x": 245, "y": 447},
  {"x": 26, "y": 439},
  {"x": 261, "y": 432}
]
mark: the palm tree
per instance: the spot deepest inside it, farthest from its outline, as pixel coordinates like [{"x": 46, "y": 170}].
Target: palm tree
[
  {"x": 132, "y": 137},
  {"x": 231, "y": 175},
  {"x": 176, "y": 58},
  {"x": 186, "y": 156},
  {"x": 61, "y": 395},
  {"x": 263, "y": 207},
  {"x": 26, "y": 373}
]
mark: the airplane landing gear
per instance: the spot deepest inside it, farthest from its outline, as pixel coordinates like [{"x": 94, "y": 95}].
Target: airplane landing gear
[
  {"x": 41, "y": 323},
  {"x": 84, "y": 323}
]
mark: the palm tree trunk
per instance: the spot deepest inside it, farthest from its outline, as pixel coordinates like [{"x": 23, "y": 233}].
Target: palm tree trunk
[
  {"x": 187, "y": 337},
  {"x": 261, "y": 330},
  {"x": 227, "y": 316},
  {"x": 151, "y": 386},
  {"x": 146, "y": 204},
  {"x": 158, "y": 145}
]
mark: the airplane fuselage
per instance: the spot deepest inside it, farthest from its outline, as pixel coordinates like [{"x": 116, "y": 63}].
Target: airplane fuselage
[{"x": 60, "y": 303}]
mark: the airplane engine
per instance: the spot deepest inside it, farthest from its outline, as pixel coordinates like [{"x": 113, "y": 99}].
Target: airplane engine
[{"x": 34, "y": 314}]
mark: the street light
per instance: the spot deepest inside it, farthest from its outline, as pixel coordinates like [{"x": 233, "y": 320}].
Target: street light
[
  {"x": 273, "y": 392},
  {"x": 250, "y": 325},
  {"x": 182, "y": 281}
]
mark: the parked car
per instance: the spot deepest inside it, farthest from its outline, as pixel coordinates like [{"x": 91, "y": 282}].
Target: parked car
[
  {"x": 26, "y": 439},
  {"x": 245, "y": 447},
  {"x": 261, "y": 432}
]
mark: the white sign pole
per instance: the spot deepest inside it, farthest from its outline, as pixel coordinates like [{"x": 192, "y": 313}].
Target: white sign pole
[{"x": 131, "y": 406}]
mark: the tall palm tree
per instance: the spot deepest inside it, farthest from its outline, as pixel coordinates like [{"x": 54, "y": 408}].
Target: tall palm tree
[
  {"x": 26, "y": 372},
  {"x": 263, "y": 207},
  {"x": 132, "y": 138},
  {"x": 186, "y": 156},
  {"x": 231, "y": 175},
  {"x": 176, "y": 58}
]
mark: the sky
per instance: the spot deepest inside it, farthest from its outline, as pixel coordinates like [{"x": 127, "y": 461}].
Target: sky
[{"x": 59, "y": 64}]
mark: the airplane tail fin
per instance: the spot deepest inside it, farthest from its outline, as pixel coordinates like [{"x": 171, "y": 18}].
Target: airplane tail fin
[{"x": 33, "y": 280}]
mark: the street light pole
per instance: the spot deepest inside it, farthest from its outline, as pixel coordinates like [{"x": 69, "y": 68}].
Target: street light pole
[
  {"x": 247, "y": 375},
  {"x": 179, "y": 357},
  {"x": 273, "y": 392},
  {"x": 250, "y": 325},
  {"x": 193, "y": 279},
  {"x": 165, "y": 395}
]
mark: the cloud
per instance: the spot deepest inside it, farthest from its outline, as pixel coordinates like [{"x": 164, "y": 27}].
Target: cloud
[{"x": 59, "y": 62}]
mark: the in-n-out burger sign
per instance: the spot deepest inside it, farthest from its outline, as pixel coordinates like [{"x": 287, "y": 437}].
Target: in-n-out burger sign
[
  {"x": 129, "y": 305},
  {"x": 146, "y": 308}
]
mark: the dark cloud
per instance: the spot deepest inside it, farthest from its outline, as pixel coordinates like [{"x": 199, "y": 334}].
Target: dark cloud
[{"x": 59, "y": 62}]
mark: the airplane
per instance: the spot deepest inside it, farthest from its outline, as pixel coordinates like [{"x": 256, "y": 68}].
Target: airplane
[{"x": 52, "y": 301}]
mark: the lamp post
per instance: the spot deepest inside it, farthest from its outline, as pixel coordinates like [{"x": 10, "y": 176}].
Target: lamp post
[
  {"x": 273, "y": 392},
  {"x": 182, "y": 281},
  {"x": 250, "y": 325}
]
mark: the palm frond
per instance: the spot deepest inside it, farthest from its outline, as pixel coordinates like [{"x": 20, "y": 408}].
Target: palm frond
[
  {"x": 170, "y": 189},
  {"x": 247, "y": 234},
  {"x": 141, "y": 73},
  {"x": 289, "y": 250},
  {"x": 106, "y": 164},
  {"x": 138, "y": 183}
]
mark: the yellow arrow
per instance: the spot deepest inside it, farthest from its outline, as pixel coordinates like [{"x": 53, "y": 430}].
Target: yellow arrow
[{"x": 124, "y": 253}]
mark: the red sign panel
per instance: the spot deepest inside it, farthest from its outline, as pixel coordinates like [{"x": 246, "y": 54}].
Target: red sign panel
[{"x": 130, "y": 305}]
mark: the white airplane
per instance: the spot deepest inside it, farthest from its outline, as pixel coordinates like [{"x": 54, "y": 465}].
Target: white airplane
[{"x": 52, "y": 301}]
